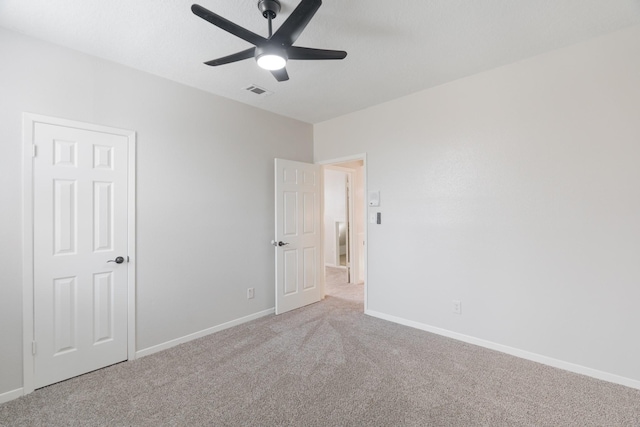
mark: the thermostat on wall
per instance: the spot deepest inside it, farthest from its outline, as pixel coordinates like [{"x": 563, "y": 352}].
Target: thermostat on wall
[{"x": 374, "y": 198}]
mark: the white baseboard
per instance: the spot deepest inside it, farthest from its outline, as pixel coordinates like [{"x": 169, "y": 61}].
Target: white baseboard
[
  {"x": 545, "y": 360},
  {"x": 10, "y": 395},
  {"x": 156, "y": 348}
]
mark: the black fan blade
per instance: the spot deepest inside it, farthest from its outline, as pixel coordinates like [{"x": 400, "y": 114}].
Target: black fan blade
[
  {"x": 289, "y": 32},
  {"x": 227, "y": 25},
  {"x": 295, "y": 52},
  {"x": 280, "y": 75},
  {"x": 245, "y": 54}
]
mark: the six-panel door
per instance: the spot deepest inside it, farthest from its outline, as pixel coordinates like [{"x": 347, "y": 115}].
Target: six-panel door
[
  {"x": 80, "y": 223},
  {"x": 298, "y": 263}
]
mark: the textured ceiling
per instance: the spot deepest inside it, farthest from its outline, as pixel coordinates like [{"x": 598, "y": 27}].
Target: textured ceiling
[{"x": 394, "y": 47}]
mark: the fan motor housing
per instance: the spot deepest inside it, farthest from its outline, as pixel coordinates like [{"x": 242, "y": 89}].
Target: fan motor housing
[{"x": 269, "y": 8}]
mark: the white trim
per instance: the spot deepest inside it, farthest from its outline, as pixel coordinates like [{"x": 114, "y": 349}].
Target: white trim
[
  {"x": 354, "y": 269},
  {"x": 523, "y": 354},
  {"x": 166, "y": 345},
  {"x": 341, "y": 267},
  {"x": 323, "y": 261},
  {"x": 131, "y": 248},
  {"x": 347, "y": 159},
  {"x": 10, "y": 395},
  {"x": 339, "y": 168},
  {"x": 28, "y": 123}
]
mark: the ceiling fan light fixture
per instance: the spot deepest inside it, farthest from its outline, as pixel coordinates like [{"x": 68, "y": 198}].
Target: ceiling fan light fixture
[
  {"x": 271, "y": 61},
  {"x": 271, "y": 53}
]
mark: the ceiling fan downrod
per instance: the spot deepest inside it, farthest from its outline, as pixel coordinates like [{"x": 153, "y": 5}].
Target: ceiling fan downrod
[{"x": 269, "y": 9}]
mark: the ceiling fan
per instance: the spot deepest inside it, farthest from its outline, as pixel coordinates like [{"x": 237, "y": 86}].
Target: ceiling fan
[{"x": 273, "y": 52}]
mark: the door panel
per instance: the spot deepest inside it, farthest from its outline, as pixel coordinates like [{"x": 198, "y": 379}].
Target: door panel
[
  {"x": 64, "y": 207},
  {"x": 309, "y": 268},
  {"x": 80, "y": 223},
  {"x": 102, "y": 216},
  {"x": 297, "y": 189},
  {"x": 64, "y": 314},
  {"x": 309, "y": 214},
  {"x": 290, "y": 271},
  {"x": 290, "y": 213},
  {"x": 103, "y": 307}
]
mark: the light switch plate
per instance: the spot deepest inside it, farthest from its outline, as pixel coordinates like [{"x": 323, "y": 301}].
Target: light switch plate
[
  {"x": 374, "y": 198},
  {"x": 457, "y": 306}
]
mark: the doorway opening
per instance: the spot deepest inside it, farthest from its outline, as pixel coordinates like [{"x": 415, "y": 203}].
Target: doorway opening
[{"x": 344, "y": 227}]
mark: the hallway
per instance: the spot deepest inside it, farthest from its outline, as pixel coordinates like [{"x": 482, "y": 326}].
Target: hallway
[{"x": 336, "y": 285}]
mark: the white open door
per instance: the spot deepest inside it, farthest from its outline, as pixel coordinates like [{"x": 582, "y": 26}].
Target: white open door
[
  {"x": 298, "y": 234},
  {"x": 80, "y": 251}
]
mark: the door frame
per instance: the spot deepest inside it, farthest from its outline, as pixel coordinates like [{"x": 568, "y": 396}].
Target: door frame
[
  {"x": 335, "y": 162},
  {"x": 29, "y": 121}
]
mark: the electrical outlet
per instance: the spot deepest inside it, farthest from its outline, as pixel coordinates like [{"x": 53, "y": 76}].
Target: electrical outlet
[
  {"x": 250, "y": 293},
  {"x": 457, "y": 306}
]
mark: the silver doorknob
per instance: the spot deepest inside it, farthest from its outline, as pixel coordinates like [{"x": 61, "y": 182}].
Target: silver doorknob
[{"x": 118, "y": 260}]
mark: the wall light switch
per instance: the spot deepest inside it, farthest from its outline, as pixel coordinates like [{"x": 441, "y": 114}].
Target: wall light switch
[
  {"x": 373, "y": 218},
  {"x": 374, "y": 198}
]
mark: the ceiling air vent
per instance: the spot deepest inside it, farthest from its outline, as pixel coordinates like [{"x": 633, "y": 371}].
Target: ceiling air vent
[{"x": 258, "y": 90}]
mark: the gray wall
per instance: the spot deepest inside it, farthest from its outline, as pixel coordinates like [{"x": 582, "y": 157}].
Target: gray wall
[
  {"x": 204, "y": 188},
  {"x": 517, "y": 192}
]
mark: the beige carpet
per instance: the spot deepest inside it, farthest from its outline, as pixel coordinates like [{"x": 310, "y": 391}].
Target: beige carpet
[{"x": 327, "y": 365}]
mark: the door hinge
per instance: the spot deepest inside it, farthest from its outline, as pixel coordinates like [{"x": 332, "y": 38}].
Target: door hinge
[
  {"x": 34, "y": 150},
  {"x": 33, "y": 347}
]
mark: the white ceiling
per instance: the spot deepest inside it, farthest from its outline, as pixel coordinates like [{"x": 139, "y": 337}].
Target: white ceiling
[{"x": 394, "y": 47}]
